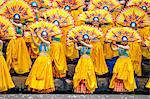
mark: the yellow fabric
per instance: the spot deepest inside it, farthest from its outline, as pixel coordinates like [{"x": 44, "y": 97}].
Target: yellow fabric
[
  {"x": 108, "y": 52},
  {"x": 148, "y": 84},
  {"x": 41, "y": 76},
  {"x": 75, "y": 13},
  {"x": 98, "y": 58},
  {"x": 5, "y": 77},
  {"x": 58, "y": 57},
  {"x": 85, "y": 71},
  {"x": 123, "y": 70},
  {"x": 135, "y": 54},
  {"x": 72, "y": 53},
  {"x": 144, "y": 33},
  {"x": 146, "y": 52},
  {"x": 64, "y": 37},
  {"x": 18, "y": 57}
]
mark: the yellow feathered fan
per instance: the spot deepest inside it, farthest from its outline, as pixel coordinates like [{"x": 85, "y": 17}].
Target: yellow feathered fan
[
  {"x": 101, "y": 15},
  {"x": 144, "y": 4},
  {"x": 59, "y": 17},
  {"x": 12, "y": 7},
  {"x": 109, "y": 5},
  {"x": 116, "y": 34},
  {"x": 50, "y": 28},
  {"x": 1, "y": 2},
  {"x": 79, "y": 31},
  {"x": 70, "y": 4},
  {"x": 7, "y": 31},
  {"x": 133, "y": 16},
  {"x": 43, "y": 3}
]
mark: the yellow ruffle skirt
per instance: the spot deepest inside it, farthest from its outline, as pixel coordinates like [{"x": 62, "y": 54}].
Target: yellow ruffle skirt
[
  {"x": 58, "y": 60},
  {"x": 18, "y": 57},
  {"x": 123, "y": 70},
  {"x": 85, "y": 71},
  {"x": 148, "y": 84},
  {"x": 135, "y": 54},
  {"x": 98, "y": 58},
  {"x": 40, "y": 78},
  {"x": 72, "y": 53},
  {"x": 5, "y": 77}
]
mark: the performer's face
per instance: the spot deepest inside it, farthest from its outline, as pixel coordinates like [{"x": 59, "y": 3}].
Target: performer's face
[
  {"x": 86, "y": 40},
  {"x": 95, "y": 23},
  {"x": 16, "y": 20},
  {"x": 45, "y": 37},
  {"x": 124, "y": 43}
]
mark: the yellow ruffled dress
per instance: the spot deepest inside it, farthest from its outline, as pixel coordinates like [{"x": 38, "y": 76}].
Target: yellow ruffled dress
[
  {"x": 58, "y": 58},
  {"x": 135, "y": 53},
  {"x": 72, "y": 53},
  {"x": 85, "y": 74},
  {"x": 144, "y": 33},
  {"x": 18, "y": 57},
  {"x": 123, "y": 71},
  {"x": 98, "y": 58},
  {"x": 5, "y": 77},
  {"x": 40, "y": 78},
  {"x": 148, "y": 84}
]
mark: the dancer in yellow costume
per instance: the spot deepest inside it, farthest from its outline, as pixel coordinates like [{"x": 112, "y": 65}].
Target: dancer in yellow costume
[
  {"x": 57, "y": 51},
  {"x": 96, "y": 52},
  {"x": 5, "y": 77},
  {"x": 74, "y": 7},
  {"x": 100, "y": 19},
  {"x": 136, "y": 18},
  {"x": 40, "y": 78},
  {"x": 144, "y": 31},
  {"x": 123, "y": 72},
  {"x": 84, "y": 80},
  {"x": 6, "y": 32},
  {"x": 19, "y": 58},
  {"x": 113, "y": 6},
  {"x": 65, "y": 21}
]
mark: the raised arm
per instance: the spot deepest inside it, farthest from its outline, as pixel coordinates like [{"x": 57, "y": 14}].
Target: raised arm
[
  {"x": 124, "y": 47},
  {"x": 114, "y": 46},
  {"x": 85, "y": 44},
  {"x": 46, "y": 42},
  {"x": 16, "y": 24},
  {"x": 37, "y": 44},
  {"x": 77, "y": 47}
]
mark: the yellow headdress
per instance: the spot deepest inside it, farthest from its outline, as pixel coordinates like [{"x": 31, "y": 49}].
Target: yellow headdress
[
  {"x": 1, "y": 2},
  {"x": 59, "y": 17},
  {"x": 7, "y": 31},
  {"x": 109, "y": 5},
  {"x": 144, "y": 4},
  {"x": 133, "y": 16},
  {"x": 70, "y": 4},
  {"x": 101, "y": 15},
  {"x": 79, "y": 31},
  {"x": 50, "y": 28},
  {"x": 42, "y": 3},
  {"x": 117, "y": 33},
  {"x": 19, "y": 7}
]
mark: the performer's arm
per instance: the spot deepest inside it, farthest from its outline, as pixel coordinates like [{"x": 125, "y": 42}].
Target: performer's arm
[
  {"x": 47, "y": 42},
  {"x": 77, "y": 47},
  {"x": 37, "y": 44},
  {"x": 85, "y": 44},
  {"x": 124, "y": 47},
  {"x": 16, "y": 24}
]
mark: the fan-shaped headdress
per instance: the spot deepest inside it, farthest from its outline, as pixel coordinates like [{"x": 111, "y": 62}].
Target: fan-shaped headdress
[
  {"x": 122, "y": 34},
  {"x": 133, "y": 16}
]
